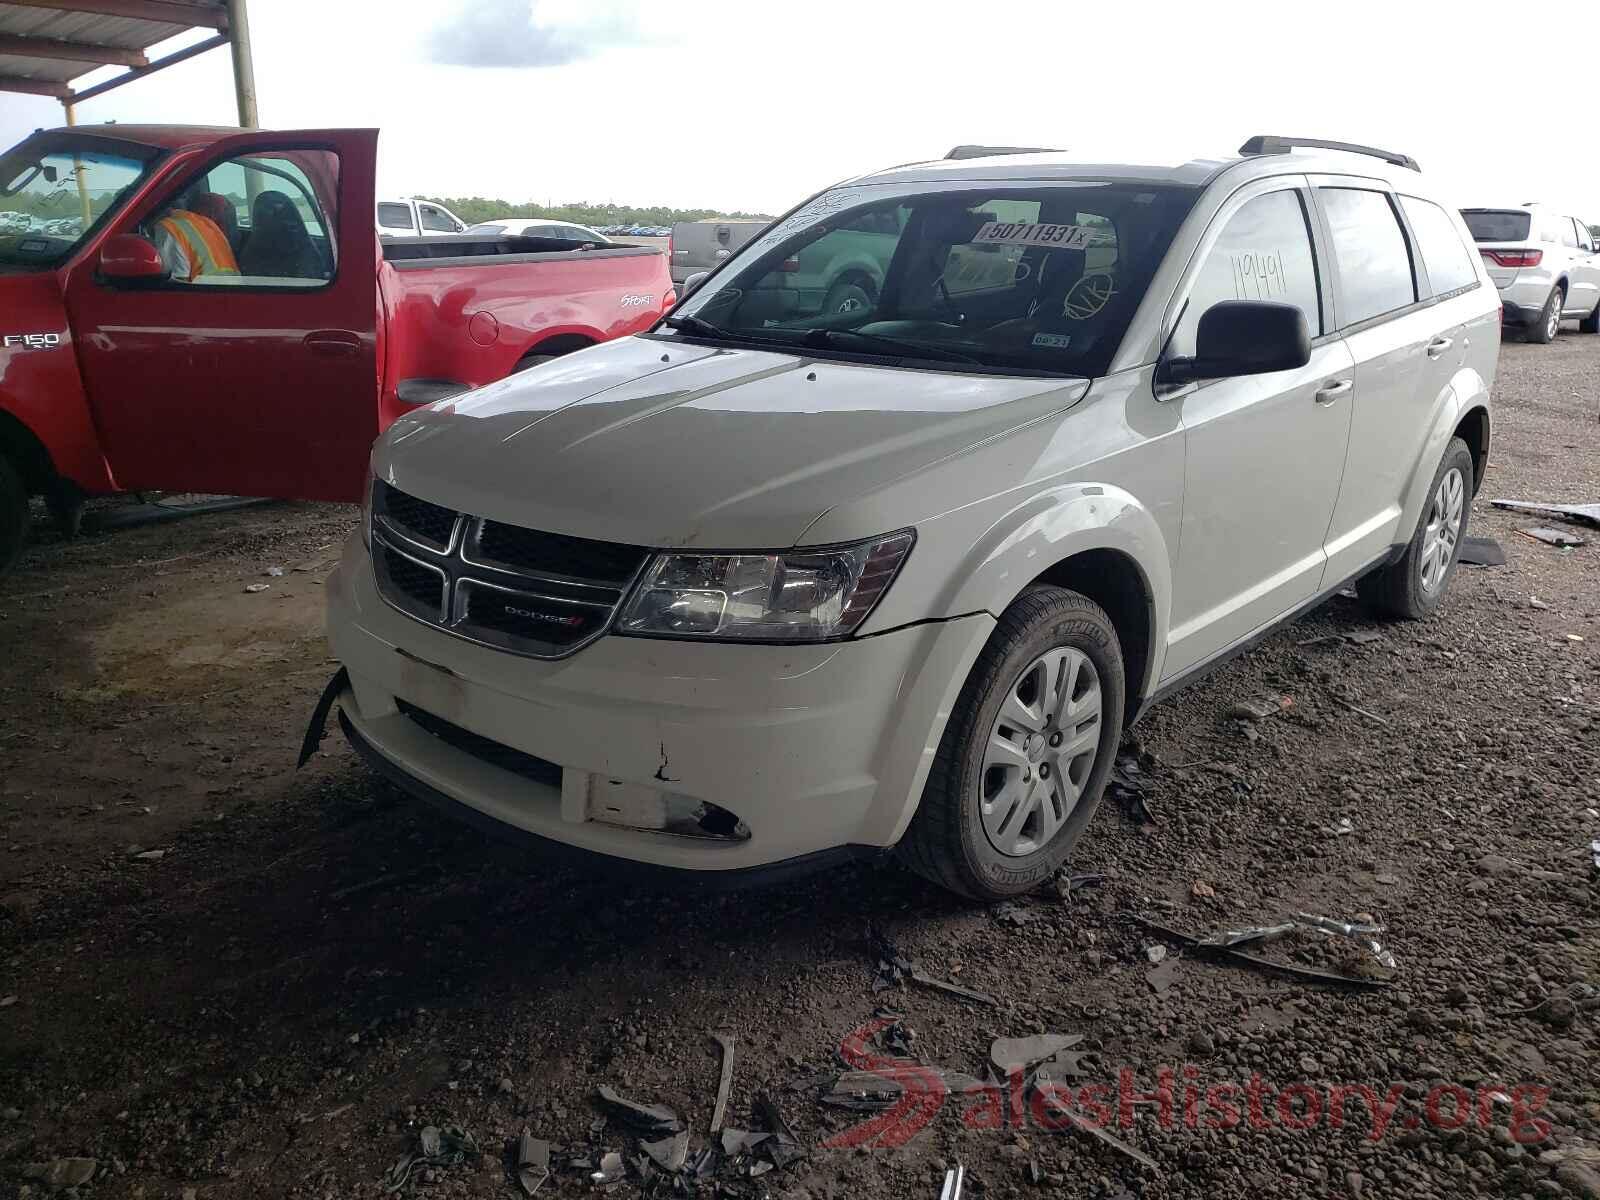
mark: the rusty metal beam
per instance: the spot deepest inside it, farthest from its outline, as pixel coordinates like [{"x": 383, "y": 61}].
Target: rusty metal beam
[
  {"x": 33, "y": 47},
  {"x": 173, "y": 12},
  {"x": 170, "y": 60},
  {"x": 35, "y": 87}
]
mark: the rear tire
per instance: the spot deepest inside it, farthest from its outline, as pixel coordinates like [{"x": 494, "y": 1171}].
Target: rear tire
[
  {"x": 1413, "y": 586},
  {"x": 1544, "y": 330},
  {"x": 1026, "y": 753},
  {"x": 851, "y": 294},
  {"x": 14, "y": 515}
]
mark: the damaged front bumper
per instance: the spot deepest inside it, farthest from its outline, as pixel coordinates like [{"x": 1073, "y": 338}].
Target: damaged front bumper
[{"x": 700, "y": 756}]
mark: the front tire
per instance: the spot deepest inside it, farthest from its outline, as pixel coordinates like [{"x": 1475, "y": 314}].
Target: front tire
[
  {"x": 1591, "y": 323},
  {"x": 1413, "y": 586},
  {"x": 14, "y": 517},
  {"x": 851, "y": 294},
  {"x": 1544, "y": 330},
  {"x": 1026, "y": 753}
]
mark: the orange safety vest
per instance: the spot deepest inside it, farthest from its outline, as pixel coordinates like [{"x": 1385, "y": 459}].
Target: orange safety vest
[{"x": 205, "y": 245}]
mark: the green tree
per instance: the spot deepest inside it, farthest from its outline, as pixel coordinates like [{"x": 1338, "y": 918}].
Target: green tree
[{"x": 473, "y": 209}]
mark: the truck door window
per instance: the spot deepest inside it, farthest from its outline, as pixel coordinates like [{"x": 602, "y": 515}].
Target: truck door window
[
  {"x": 395, "y": 216},
  {"x": 436, "y": 220},
  {"x": 1263, "y": 253},
  {"x": 257, "y": 220},
  {"x": 1375, "y": 274}
]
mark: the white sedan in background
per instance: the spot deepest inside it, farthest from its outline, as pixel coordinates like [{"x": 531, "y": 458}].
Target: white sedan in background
[{"x": 541, "y": 227}]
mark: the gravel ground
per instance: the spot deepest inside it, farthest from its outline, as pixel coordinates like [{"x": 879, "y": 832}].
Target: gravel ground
[{"x": 222, "y": 978}]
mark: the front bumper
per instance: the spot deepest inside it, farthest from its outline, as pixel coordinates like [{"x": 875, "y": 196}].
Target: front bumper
[{"x": 817, "y": 749}]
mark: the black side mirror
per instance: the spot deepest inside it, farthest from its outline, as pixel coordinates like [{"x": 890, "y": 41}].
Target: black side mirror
[{"x": 1243, "y": 337}]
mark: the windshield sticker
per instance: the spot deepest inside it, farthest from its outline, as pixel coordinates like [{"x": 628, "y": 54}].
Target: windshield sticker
[
  {"x": 1258, "y": 274},
  {"x": 1051, "y": 237},
  {"x": 1052, "y": 341}
]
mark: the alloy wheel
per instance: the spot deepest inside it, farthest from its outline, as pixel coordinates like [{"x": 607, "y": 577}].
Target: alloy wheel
[{"x": 1443, "y": 529}]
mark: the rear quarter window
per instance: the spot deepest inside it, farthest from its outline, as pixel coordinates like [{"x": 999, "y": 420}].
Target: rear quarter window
[
  {"x": 1497, "y": 225},
  {"x": 1449, "y": 263},
  {"x": 1374, "y": 262}
]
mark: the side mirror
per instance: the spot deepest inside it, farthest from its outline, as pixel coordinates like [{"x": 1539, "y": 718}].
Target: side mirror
[
  {"x": 1244, "y": 337},
  {"x": 128, "y": 258},
  {"x": 691, "y": 283}
]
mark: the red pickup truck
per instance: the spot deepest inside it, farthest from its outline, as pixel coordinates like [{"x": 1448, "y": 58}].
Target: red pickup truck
[{"x": 205, "y": 310}]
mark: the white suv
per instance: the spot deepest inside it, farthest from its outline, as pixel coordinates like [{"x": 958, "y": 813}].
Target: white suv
[
  {"x": 776, "y": 584},
  {"x": 1545, "y": 264}
]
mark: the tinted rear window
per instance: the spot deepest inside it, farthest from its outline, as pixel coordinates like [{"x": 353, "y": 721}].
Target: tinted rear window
[{"x": 1497, "y": 225}]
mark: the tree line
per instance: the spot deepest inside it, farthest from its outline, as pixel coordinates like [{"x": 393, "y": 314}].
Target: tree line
[{"x": 473, "y": 209}]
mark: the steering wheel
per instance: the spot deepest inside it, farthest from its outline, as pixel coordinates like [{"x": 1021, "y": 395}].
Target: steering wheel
[{"x": 1088, "y": 296}]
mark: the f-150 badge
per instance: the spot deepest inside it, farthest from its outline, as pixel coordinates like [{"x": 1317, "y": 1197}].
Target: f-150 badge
[{"x": 32, "y": 341}]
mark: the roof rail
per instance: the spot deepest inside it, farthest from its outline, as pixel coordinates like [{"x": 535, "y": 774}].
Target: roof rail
[
  {"x": 986, "y": 151},
  {"x": 1267, "y": 144}
]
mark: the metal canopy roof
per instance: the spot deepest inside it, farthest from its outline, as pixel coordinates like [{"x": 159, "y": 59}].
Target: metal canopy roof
[{"x": 45, "y": 44}]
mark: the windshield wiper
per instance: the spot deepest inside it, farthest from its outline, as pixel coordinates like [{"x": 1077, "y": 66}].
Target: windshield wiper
[
  {"x": 702, "y": 328},
  {"x": 894, "y": 345}
]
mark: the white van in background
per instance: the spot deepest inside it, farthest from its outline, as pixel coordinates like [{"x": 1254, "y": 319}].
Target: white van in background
[{"x": 416, "y": 218}]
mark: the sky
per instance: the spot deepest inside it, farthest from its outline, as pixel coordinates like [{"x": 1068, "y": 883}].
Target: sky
[{"x": 755, "y": 104}]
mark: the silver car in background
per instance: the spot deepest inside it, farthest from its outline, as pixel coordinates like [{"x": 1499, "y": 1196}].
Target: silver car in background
[{"x": 1545, "y": 264}]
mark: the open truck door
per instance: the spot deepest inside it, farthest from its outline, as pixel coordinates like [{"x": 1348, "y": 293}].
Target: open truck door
[{"x": 227, "y": 331}]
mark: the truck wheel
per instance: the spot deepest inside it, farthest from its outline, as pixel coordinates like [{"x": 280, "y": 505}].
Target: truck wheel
[
  {"x": 1026, "y": 753},
  {"x": 66, "y": 503},
  {"x": 1591, "y": 323},
  {"x": 13, "y": 514},
  {"x": 1549, "y": 322},
  {"x": 851, "y": 294},
  {"x": 1412, "y": 586}
]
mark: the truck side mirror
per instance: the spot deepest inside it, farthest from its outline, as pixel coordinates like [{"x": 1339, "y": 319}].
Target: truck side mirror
[
  {"x": 691, "y": 283},
  {"x": 128, "y": 258}
]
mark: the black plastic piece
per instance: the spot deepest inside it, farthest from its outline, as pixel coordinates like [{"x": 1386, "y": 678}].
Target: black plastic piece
[
  {"x": 1264, "y": 143},
  {"x": 318, "y": 728}
]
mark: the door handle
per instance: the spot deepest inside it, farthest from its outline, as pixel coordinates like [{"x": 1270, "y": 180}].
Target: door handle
[
  {"x": 332, "y": 341},
  {"x": 1439, "y": 345},
  {"x": 1330, "y": 392}
]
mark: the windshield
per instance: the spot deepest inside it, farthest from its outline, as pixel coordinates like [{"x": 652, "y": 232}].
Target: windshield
[
  {"x": 1039, "y": 279},
  {"x": 54, "y": 190},
  {"x": 1497, "y": 225}
]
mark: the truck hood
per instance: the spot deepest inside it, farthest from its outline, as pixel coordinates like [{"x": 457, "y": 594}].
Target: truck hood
[{"x": 666, "y": 444}]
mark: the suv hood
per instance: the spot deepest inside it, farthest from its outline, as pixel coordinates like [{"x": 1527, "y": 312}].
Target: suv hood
[{"x": 664, "y": 444}]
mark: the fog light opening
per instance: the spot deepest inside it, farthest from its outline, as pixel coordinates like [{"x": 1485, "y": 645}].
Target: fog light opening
[{"x": 715, "y": 821}]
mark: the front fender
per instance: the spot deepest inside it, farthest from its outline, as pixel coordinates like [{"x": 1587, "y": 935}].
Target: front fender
[{"x": 1056, "y": 525}]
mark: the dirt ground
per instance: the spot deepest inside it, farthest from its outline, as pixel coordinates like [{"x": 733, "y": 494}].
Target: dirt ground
[{"x": 223, "y": 978}]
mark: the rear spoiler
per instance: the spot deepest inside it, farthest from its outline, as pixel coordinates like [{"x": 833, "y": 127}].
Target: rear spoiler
[{"x": 987, "y": 151}]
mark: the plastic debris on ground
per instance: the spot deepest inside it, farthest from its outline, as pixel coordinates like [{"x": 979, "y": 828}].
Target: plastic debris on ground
[
  {"x": 1129, "y": 789},
  {"x": 725, "y": 1081},
  {"x": 1235, "y": 946},
  {"x": 954, "y": 1180},
  {"x": 1552, "y": 537},
  {"x": 1481, "y": 552},
  {"x": 253, "y": 588},
  {"x": 1344, "y": 827},
  {"x": 652, "y": 1120},
  {"x": 1594, "y": 848},
  {"x": 1009, "y": 1054},
  {"x": 894, "y": 969},
  {"x": 611, "y": 1168},
  {"x": 1364, "y": 934},
  {"x": 436, "y": 1147},
  {"x": 533, "y": 1163},
  {"x": 1587, "y": 514}
]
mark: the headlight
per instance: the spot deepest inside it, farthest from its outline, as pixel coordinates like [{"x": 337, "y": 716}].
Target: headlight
[{"x": 797, "y": 596}]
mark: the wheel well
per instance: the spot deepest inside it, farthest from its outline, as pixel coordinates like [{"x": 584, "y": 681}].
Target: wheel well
[
  {"x": 1113, "y": 581},
  {"x": 26, "y": 452},
  {"x": 562, "y": 343},
  {"x": 1474, "y": 431},
  {"x": 856, "y": 275}
]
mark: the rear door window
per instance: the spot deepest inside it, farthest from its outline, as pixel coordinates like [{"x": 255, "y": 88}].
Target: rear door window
[
  {"x": 395, "y": 216},
  {"x": 1497, "y": 224},
  {"x": 1569, "y": 233},
  {"x": 1375, "y": 275},
  {"x": 1448, "y": 262},
  {"x": 1263, "y": 253}
]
